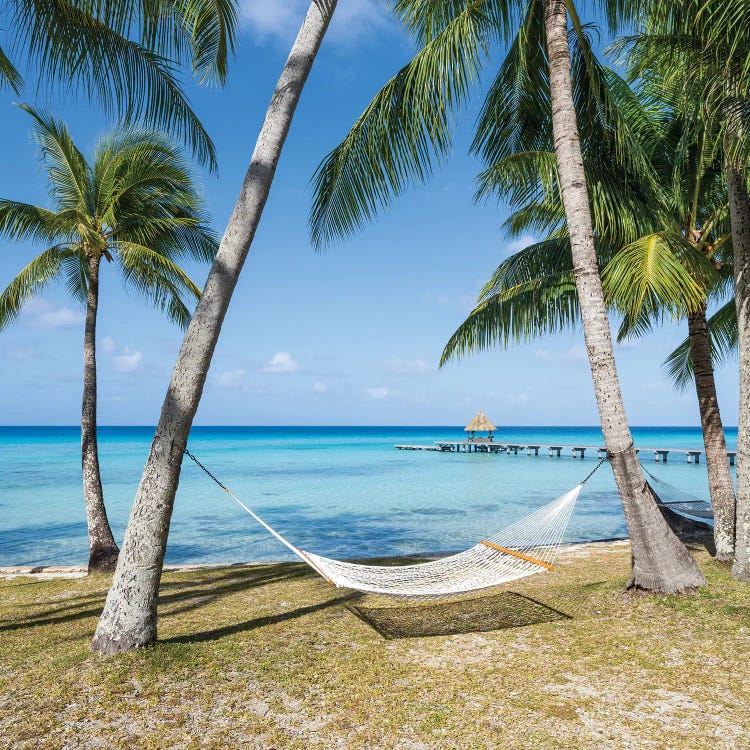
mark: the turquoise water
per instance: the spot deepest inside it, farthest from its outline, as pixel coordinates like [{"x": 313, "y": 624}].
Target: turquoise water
[{"x": 340, "y": 491}]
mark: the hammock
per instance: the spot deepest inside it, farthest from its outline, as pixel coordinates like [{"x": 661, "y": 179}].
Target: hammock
[
  {"x": 524, "y": 548},
  {"x": 680, "y": 501}
]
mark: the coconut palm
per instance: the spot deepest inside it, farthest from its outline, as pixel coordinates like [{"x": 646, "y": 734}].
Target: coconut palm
[
  {"x": 407, "y": 128},
  {"x": 121, "y": 53},
  {"x": 134, "y": 205},
  {"x": 711, "y": 39},
  {"x": 129, "y": 617},
  {"x": 660, "y": 273}
]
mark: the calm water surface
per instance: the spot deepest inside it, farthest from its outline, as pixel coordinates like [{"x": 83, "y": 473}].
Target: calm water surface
[{"x": 339, "y": 491}]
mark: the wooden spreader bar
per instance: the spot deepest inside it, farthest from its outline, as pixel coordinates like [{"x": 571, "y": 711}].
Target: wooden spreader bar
[{"x": 517, "y": 554}]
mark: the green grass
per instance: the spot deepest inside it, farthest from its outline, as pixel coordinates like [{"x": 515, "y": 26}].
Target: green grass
[{"x": 272, "y": 657}]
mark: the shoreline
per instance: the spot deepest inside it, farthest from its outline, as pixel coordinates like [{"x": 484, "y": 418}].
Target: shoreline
[{"x": 45, "y": 572}]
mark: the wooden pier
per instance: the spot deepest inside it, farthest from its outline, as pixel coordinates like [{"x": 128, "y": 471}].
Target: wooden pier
[{"x": 555, "y": 451}]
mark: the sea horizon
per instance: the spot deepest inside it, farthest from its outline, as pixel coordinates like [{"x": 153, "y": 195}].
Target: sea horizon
[{"x": 339, "y": 490}]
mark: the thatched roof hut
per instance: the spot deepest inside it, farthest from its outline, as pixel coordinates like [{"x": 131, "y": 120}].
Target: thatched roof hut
[{"x": 480, "y": 423}]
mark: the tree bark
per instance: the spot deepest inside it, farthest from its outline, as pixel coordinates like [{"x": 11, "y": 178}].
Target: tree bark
[
  {"x": 739, "y": 212},
  {"x": 129, "y": 617},
  {"x": 661, "y": 563},
  {"x": 720, "y": 482},
  {"x": 103, "y": 549}
]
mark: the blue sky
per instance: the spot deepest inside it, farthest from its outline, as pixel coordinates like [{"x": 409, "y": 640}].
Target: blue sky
[{"x": 348, "y": 336}]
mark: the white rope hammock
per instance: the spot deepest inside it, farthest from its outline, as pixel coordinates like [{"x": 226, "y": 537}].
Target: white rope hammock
[{"x": 524, "y": 548}]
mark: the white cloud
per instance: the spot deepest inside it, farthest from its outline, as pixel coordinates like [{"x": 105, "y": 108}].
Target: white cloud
[
  {"x": 281, "y": 19},
  {"x": 59, "y": 317},
  {"x": 377, "y": 394},
  {"x": 107, "y": 344},
  {"x": 281, "y": 363},
  {"x": 319, "y": 387},
  {"x": 128, "y": 361},
  {"x": 229, "y": 378},
  {"x": 519, "y": 243},
  {"x": 407, "y": 367}
]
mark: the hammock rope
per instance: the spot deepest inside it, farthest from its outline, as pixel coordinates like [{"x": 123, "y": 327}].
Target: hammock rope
[{"x": 524, "y": 548}]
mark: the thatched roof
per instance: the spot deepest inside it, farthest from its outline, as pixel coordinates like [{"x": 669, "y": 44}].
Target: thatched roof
[{"x": 480, "y": 423}]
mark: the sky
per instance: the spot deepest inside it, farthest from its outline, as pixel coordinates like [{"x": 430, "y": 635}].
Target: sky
[{"x": 348, "y": 336}]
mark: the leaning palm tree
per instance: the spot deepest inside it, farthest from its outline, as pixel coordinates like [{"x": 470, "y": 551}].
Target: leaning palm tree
[
  {"x": 129, "y": 617},
  {"x": 122, "y": 55},
  {"x": 407, "y": 127},
  {"x": 134, "y": 205}
]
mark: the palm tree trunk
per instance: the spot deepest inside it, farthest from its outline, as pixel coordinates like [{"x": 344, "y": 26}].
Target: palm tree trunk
[
  {"x": 739, "y": 211},
  {"x": 129, "y": 617},
  {"x": 720, "y": 482},
  {"x": 661, "y": 563},
  {"x": 103, "y": 550}
]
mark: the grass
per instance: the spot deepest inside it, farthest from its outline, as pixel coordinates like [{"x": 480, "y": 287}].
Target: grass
[{"x": 271, "y": 657}]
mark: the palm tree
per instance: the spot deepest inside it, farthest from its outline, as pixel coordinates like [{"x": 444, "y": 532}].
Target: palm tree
[
  {"x": 408, "y": 125},
  {"x": 135, "y": 205},
  {"x": 122, "y": 54},
  {"x": 713, "y": 38},
  {"x": 129, "y": 617},
  {"x": 660, "y": 273}
]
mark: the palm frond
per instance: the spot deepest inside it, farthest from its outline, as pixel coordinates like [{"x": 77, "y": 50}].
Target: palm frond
[
  {"x": 522, "y": 312},
  {"x": 24, "y": 221},
  {"x": 657, "y": 274},
  {"x": 69, "y": 42},
  {"x": 9, "y": 76},
  {"x": 30, "y": 281},
  {"x": 158, "y": 279},
  {"x": 67, "y": 168},
  {"x": 427, "y": 19},
  {"x": 530, "y": 294},
  {"x": 404, "y": 130}
]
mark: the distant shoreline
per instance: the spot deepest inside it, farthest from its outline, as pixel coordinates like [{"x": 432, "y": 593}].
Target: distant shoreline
[{"x": 43, "y": 572}]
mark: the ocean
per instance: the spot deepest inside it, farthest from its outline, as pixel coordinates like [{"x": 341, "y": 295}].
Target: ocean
[{"x": 338, "y": 491}]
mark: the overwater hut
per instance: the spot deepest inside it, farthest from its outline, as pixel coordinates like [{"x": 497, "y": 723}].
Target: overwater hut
[{"x": 480, "y": 423}]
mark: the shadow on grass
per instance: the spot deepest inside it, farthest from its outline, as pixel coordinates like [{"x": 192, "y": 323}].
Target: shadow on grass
[
  {"x": 180, "y": 596},
  {"x": 508, "y": 609},
  {"x": 260, "y": 622}
]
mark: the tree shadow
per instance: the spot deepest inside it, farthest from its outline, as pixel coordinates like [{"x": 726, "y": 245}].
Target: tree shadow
[
  {"x": 181, "y": 596},
  {"x": 692, "y": 533},
  {"x": 260, "y": 622},
  {"x": 507, "y": 609}
]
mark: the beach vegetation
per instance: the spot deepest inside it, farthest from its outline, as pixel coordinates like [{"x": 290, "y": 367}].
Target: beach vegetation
[{"x": 134, "y": 205}]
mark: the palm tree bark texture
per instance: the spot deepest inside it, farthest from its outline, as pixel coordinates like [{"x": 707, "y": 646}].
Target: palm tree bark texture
[
  {"x": 661, "y": 563},
  {"x": 739, "y": 209},
  {"x": 719, "y": 477},
  {"x": 129, "y": 617},
  {"x": 103, "y": 549}
]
